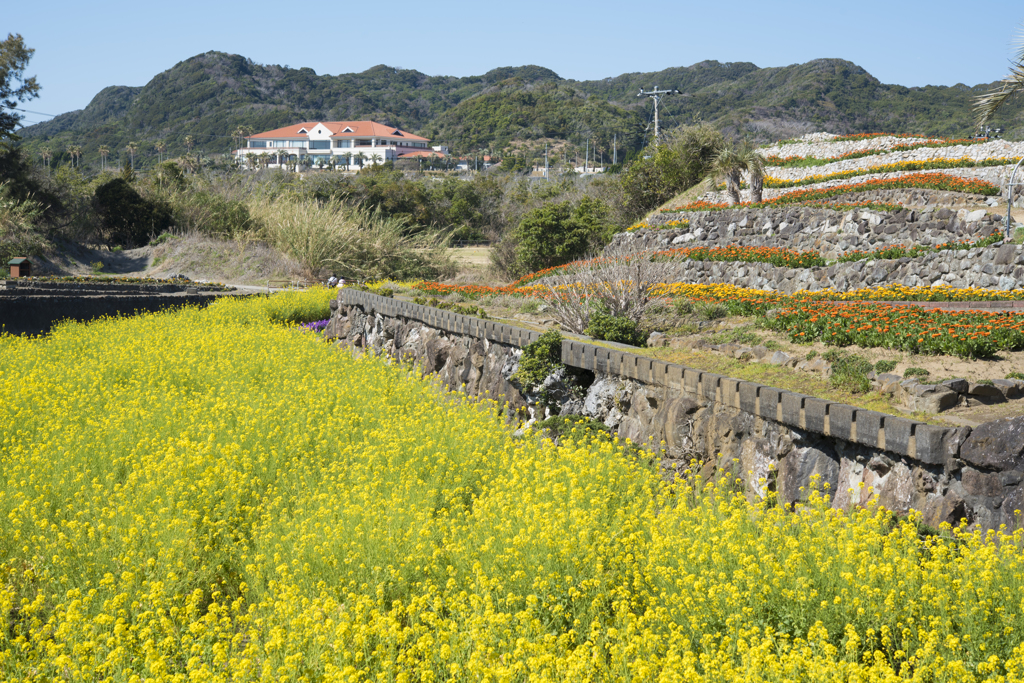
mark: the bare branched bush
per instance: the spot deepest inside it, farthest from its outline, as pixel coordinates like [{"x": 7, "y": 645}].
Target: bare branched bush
[{"x": 625, "y": 279}]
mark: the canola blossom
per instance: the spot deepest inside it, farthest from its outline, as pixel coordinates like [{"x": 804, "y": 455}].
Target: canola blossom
[{"x": 212, "y": 495}]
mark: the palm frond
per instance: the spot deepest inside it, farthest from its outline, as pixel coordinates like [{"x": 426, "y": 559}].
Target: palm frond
[{"x": 985, "y": 105}]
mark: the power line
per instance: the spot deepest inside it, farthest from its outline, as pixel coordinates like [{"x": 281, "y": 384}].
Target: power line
[{"x": 29, "y": 111}]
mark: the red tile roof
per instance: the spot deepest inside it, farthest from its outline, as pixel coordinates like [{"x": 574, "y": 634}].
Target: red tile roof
[
  {"x": 362, "y": 129},
  {"x": 422, "y": 153}
]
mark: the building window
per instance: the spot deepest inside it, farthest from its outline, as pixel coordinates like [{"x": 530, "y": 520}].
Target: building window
[
  {"x": 342, "y": 143},
  {"x": 257, "y": 143},
  {"x": 319, "y": 144}
]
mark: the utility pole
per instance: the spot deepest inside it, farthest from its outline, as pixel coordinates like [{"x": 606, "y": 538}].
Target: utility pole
[
  {"x": 545, "y": 160},
  {"x": 656, "y": 95},
  {"x": 586, "y": 159},
  {"x": 615, "y": 149}
]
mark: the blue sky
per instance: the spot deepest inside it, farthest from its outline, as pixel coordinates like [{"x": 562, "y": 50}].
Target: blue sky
[{"x": 82, "y": 47}]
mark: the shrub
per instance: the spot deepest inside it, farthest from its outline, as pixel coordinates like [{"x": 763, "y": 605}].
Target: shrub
[
  {"x": 1015, "y": 375},
  {"x": 128, "y": 218},
  {"x": 710, "y": 311},
  {"x": 539, "y": 359},
  {"x": 675, "y": 166},
  {"x": 553, "y": 234},
  {"x": 885, "y": 366},
  {"x": 915, "y": 372},
  {"x": 849, "y": 371},
  {"x": 683, "y": 306},
  {"x": 616, "y": 328}
]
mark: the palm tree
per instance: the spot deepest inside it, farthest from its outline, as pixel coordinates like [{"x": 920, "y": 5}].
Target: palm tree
[
  {"x": 985, "y": 105},
  {"x": 74, "y": 151},
  {"x": 731, "y": 162},
  {"x": 104, "y": 152},
  {"x": 190, "y": 162},
  {"x": 161, "y": 147},
  {"x": 361, "y": 157},
  {"x": 264, "y": 159},
  {"x": 190, "y": 142},
  {"x": 47, "y": 154},
  {"x": 132, "y": 148},
  {"x": 250, "y": 158},
  {"x": 376, "y": 158}
]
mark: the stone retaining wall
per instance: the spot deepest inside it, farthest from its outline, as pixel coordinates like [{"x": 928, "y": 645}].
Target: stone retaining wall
[
  {"x": 827, "y": 231},
  {"x": 769, "y": 434},
  {"x": 996, "y": 268}
]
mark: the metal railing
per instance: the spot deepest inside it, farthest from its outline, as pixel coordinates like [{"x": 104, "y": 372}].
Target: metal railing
[{"x": 285, "y": 283}]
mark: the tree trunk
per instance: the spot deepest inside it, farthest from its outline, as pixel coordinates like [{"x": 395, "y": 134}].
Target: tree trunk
[
  {"x": 732, "y": 186},
  {"x": 756, "y": 187}
]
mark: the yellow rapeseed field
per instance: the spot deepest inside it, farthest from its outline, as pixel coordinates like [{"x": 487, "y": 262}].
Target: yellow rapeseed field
[{"x": 212, "y": 495}]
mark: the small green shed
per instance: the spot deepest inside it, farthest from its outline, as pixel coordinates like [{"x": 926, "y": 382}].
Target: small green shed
[{"x": 20, "y": 267}]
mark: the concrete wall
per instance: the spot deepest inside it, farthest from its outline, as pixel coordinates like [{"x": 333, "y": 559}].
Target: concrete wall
[{"x": 37, "y": 314}]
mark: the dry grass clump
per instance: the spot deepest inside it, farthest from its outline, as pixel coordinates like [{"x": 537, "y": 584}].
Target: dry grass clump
[{"x": 350, "y": 241}]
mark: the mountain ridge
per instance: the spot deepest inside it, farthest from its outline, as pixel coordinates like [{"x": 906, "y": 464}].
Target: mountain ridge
[{"x": 209, "y": 95}]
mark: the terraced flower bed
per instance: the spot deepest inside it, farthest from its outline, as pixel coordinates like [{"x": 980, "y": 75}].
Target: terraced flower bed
[
  {"x": 931, "y": 181},
  {"x": 900, "y": 166},
  {"x": 799, "y": 161},
  {"x": 852, "y": 318}
]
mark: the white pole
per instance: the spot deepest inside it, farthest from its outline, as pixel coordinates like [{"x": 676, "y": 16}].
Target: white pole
[{"x": 1009, "y": 199}]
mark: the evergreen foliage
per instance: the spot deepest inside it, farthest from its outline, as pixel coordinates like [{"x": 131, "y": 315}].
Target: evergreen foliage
[
  {"x": 615, "y": 328},
  {"x": 539, "y": 359},
  {"x": 212, "y": 95},
  {"x": 678, "y": 164},
  {"x": 128, "y": 218},
  {"x": 557, "y": 233}
]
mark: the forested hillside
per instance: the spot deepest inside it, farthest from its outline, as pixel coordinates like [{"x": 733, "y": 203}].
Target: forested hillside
[{"x": 210, "y": 95}]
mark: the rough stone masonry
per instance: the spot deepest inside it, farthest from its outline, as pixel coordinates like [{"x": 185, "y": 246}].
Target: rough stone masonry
[{"x": 771, "y": 439}]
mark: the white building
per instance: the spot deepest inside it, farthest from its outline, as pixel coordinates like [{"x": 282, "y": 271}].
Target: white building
[{"x": 332, "y": 144}]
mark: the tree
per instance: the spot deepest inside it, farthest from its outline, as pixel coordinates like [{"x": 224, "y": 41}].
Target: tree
[
  {"x": 190, "y": 142},
  {"x": 131, "y": 148},
  {"x": 14, "y": 87},
  {"x": 376, "y": 158},
  {"x": 161, "y": 147},
  {"x": 731, "y": 162},
  {"x": 679, "y": 163},
  {"x": 74, "y": 151},
  {"x": 985, "y": 105},
  {"x": 47, "y": 154},
  {"x": 250, "y": 158},
  {"x": 557, "y": 233},
  {"x": 128, "y": 218},
  {"x": 104, "y": 152}
]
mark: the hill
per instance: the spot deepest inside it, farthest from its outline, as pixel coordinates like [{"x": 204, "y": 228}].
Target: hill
[{"x": 208, "y": 96}]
